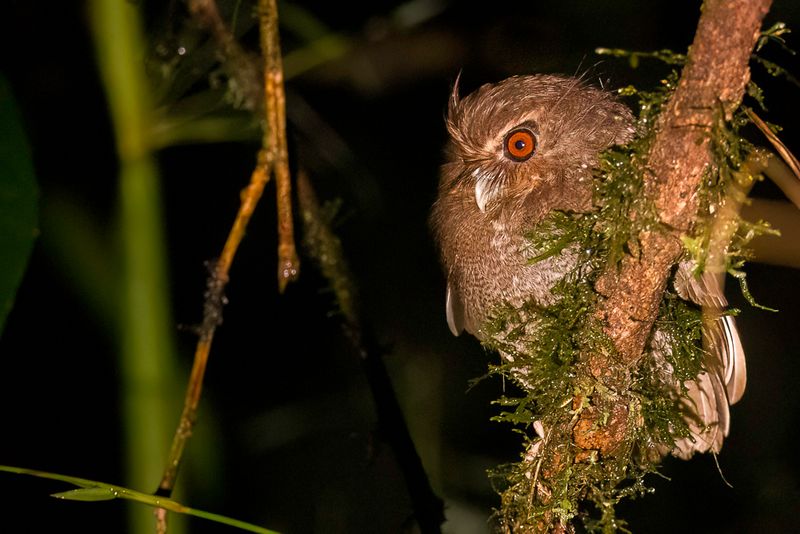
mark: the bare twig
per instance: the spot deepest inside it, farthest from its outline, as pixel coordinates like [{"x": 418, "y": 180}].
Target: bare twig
[
  {"x": 785, "y": 173},
  {"x": 212, "y": 317},
  {"x": 257, "y": 93},
  {"x": 275, "y": 140},
  {"x": 272, "y": 158},
  {"x": 784, "y": 152}
]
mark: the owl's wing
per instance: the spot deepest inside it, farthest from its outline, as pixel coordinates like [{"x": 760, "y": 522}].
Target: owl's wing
[
  {"x": 455, "y": 311},
  {"x": 725, "y": 376}
]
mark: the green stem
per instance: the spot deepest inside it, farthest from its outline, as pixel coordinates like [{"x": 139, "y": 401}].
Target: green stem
[
  {"x": 92, "y": 490},
  {"x": 148, "y": 361}
]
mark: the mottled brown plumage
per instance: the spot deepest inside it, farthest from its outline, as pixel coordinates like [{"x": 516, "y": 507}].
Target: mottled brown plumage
[
  {"x": 487, "y": 202},
  {"x": 489, "y": 198}
]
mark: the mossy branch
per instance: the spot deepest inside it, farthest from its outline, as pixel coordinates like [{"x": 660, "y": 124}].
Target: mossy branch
[
  {"x": 600, "y": 434},
  {"x": 714, "y": 78},
  {"x": 712, "y": 81},
  {"x": 715, "y": 75}
]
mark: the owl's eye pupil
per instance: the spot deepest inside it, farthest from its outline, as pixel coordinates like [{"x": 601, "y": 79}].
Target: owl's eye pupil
[{"x": 520, "y": 144}]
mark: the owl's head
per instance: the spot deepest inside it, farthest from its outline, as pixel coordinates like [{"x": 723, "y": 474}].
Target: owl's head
[{"x": 527, "y": 134}]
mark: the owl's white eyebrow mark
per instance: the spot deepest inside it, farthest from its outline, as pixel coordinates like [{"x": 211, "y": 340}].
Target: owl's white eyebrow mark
[{"x": 486, "y": 187}]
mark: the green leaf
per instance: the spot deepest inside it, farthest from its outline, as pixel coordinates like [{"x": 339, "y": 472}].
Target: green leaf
[
  {"x": 86, "y": 494},
  {"x": 18, "y": 200}
]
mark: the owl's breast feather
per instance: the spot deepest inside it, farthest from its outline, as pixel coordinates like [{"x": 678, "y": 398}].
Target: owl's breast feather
[{"x": 495, "y": 269}]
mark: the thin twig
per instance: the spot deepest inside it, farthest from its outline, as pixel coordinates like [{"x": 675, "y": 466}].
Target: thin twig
[
  {"x": 272, "y": 158},
  {"x": 789, "y": 182},
  {"x": 785, "y": 153},
  {"x": 275, "y": 140},
  {"x": 212, "y": 317}
]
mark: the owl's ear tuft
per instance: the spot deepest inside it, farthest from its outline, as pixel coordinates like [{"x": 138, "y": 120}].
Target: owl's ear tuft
[
  {"x": 454, "y": 116},
  {"x": 452, "y": 106}
]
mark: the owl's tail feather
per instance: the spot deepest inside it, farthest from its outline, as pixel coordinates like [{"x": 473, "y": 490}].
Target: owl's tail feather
[{"x": 707, "y": 415}]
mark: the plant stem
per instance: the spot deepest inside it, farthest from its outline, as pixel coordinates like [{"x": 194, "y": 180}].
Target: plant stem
[
  {"x": 91, "y": 490},
  {"x": 147, "y": 344}
]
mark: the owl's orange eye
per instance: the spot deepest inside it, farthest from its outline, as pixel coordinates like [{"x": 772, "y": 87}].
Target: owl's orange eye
[{"x": 520, "y": 144}]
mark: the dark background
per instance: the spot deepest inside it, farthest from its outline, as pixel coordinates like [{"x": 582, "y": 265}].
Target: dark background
[{"x": 293, "y": 443}]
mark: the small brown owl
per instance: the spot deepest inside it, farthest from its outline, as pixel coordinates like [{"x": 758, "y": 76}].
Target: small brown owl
[{"x": 518, "y": 150}]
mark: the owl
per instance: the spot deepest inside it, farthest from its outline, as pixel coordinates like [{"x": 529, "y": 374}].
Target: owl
[{"x": 518, "y": 150}]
